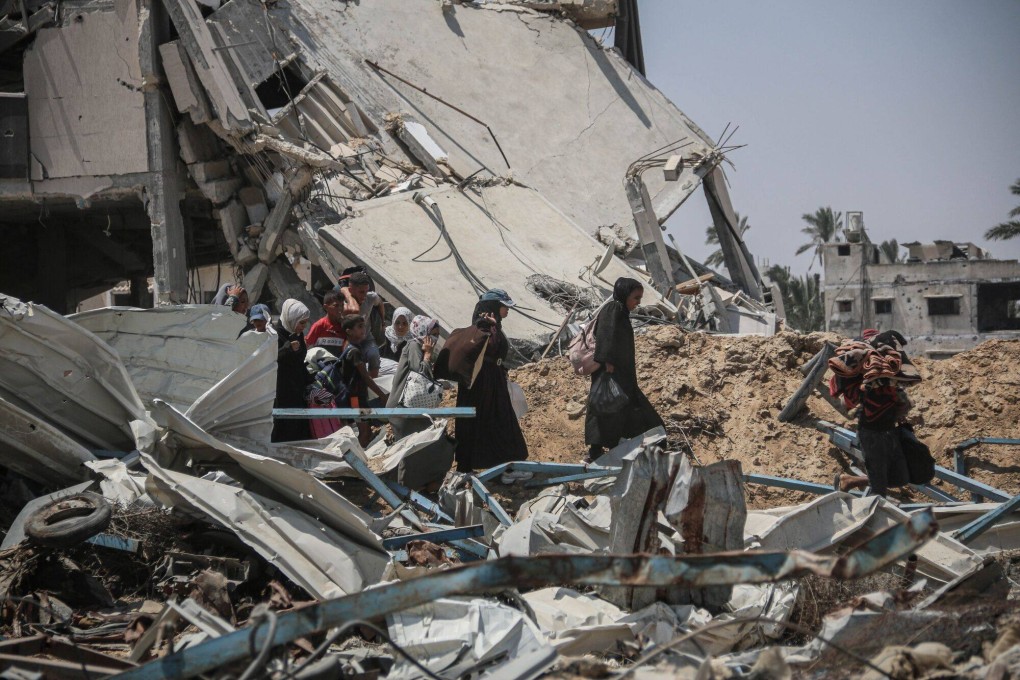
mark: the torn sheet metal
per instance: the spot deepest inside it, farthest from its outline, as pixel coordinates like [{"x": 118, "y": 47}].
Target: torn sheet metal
[
  {"x": 576, "y": 623},
  {"x": 1001, "y": 536},
  {"x": 119, "y": 484},
  {"x": 457, "y": 637},
  {"x": 66, "y": 376},
  {"x": 485, "y": 237},
  {"x": 186, "y": 447},
  {"x": 563, "y": 524},
  {"x": 576, "y": 153},
  {"x": 34, "y": 448},
  {"x": 191, "y": 357},
  {"x": 417, "y": 459},
  {"x": 536, "y": 572},
  {"x": 321, "y": 560}
]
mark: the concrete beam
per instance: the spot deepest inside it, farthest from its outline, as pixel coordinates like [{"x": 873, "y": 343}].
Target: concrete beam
[
  {"x": 163, "y": 191},
  {"x": 739, "y": 262}
]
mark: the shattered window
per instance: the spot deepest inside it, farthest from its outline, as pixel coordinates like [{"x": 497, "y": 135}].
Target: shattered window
[{"x": 883, "y": 306}]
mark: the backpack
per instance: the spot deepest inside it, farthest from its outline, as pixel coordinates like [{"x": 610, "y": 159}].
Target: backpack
[
  {"x": 328, "y": 385},
  {"x": 581, "y": 349}
]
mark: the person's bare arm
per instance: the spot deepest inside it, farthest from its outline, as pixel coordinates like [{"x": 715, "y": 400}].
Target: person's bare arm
[{"x": 351, "y": 306}]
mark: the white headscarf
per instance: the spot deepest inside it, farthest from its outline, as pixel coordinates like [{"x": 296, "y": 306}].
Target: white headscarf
[
  {"x": 292, "y": 313},
  {"x": 391, "y": 332}
]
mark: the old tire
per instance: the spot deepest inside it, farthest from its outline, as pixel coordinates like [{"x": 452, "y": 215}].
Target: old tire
[{"x": 69, "y": 521}]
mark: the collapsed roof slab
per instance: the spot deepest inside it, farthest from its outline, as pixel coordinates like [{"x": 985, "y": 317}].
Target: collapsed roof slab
[
  {"x": 569, "y": 116},
  {"x": 422, "y": 256}
]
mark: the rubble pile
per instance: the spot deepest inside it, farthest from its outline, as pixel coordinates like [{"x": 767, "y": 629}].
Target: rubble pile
[
  {"x": 720, "y": 396},
  {"x": 150, "y": 529}
]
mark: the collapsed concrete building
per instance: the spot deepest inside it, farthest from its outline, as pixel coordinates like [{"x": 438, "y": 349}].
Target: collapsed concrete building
[
  {"x": 445, "y": 147},
  {"x": 945, "y": 298}
]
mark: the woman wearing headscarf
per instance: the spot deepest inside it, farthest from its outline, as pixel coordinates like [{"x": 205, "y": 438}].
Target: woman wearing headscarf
[
  {"x": 233, "y": 296},
  {"x": 292, "y": 378},
  {"x": 416, "y": 356},
  {"x": 614, "y": 350},
  {"x": 493, "y": 436},
  {"x": 396, "y": 334}
]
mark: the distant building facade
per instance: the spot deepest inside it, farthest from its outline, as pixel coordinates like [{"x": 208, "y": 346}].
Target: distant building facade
[{"x": 945, "y": 298}]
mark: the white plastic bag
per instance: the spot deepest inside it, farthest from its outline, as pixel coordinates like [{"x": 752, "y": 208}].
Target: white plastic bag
[{"x": 517, "y": 399}]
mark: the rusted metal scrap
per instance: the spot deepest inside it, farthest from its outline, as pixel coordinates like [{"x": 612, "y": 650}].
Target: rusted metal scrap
[{"x": 727, "y": 568}]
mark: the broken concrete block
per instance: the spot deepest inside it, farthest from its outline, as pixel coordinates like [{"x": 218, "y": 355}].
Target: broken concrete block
[
  {"x": 233, "y": 219},
  {"x": 255, "y": 203},
  {"x": 423, "y": 147},
  {"x": 184, "y": 85},
  {"x": 285, "y": 283},
  {"x": 245, "y": 256},
  {"x": 254, "y": 280},
  {"x": 274, "y": 226},
  {"x": 198, "y": 143},
  {"x": 220, "y": 191},
  {"x": 210, "y": 171}
]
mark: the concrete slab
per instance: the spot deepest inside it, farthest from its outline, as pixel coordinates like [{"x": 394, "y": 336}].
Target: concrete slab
[
  {"x": 501, "y": 235},
  {"x": 576, "y": 152}
]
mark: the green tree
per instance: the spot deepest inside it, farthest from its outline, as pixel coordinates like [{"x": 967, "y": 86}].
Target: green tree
[
  {"x": 802, "y": 298},
  {"x": 715, "y": 259},
  {"x": 823, "y": 227},
  {"x": 891, "y": 250},
  {"x": 1010, "y": 229}
]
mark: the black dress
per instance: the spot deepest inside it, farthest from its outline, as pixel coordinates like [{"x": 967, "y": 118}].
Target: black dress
[
  {"x": 292, "y": 379},
  {"x": 614, "y": 344},
  {"x": 493, "y": 436}
]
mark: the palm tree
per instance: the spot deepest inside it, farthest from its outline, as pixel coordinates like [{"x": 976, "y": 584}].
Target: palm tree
[
  {"x": 823, "y": 227},
  {"x": 802, "y": 298},
  {"x": 712, "y": 239},
  {"x": 1010, "y": 229},
  {"x": 891, "y": 250}
]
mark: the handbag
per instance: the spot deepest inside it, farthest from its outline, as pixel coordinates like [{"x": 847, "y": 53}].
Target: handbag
[
  {"x": 420, "y": 391},
  {"x": 607, "y": 397}
]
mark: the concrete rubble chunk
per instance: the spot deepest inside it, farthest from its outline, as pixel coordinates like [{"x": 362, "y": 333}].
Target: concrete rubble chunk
[
  {"x": 221, "y": 190},
  {"x": 210, "y": 170},
  {"x": 233, "y": 220},
  {"x": 197, "y": 143},
  {"x": 187, "y": 92}
]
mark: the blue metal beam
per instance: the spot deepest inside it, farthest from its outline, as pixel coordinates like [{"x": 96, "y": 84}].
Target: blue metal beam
[
  {"x": 416, "y": 499},
  {"x": 592, "y": 474},
  {"x": 494, "y": 507},
  {"x": 129, "y": 545},
  {"x": 792, "y": 484},
  {"x": 379, "y": 486},
  {"x": 986, "y": 521},
  {"x": 694, "y": 571},
  {"x": 372, "y": 413},
  {"x": 438, "y": 536}
]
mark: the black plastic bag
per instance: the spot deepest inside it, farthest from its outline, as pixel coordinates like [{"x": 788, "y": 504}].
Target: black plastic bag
[
  {"x": 607, "y": 397},
  {"x": 920, "y": 464}
]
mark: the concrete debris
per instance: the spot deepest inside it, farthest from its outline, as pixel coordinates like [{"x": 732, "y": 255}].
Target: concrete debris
[{"x": 153, "y": 528}]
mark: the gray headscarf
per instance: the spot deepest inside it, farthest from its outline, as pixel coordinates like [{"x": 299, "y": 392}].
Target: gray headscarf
[{"x": 292, "y": 313}]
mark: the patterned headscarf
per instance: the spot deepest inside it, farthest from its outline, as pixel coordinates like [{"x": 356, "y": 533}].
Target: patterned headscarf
[
  {"x": 391, "y": 332},
  {"x": 422, "y": 327},
  {"x": 292, "y": 313}
]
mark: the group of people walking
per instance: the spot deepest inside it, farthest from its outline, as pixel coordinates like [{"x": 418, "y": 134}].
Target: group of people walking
[{"x": 351, "y": 342}]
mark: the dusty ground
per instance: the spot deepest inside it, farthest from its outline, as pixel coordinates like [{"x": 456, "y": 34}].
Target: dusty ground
[{"x": 722, "y": 395}]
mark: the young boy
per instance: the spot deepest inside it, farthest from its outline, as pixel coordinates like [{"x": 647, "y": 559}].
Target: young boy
[
  {"x": 328, "y": 331},
  {"x": 359, "y": 298},
  {"x": 354, "y": 373}
]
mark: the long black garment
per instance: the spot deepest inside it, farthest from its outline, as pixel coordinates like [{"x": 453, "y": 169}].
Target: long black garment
[
  {"x": 614, "y": 343},
  {"x": 493, "y": 436},
  {"x": 291, "y": 381}
]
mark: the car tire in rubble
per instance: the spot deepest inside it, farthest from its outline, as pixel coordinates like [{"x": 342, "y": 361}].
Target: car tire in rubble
[{"x": 69, "y": 521}]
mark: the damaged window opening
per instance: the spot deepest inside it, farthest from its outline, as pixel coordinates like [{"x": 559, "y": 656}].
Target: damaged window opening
[
  {"x": 843, "y": 251},
  {"x": 844, "y": 306},
  {"x": 883, "y": 306},
  {"x": 281, "y": 88},
  {"x": 998, "y": 306},
  {"x": 943, "y": 306}
]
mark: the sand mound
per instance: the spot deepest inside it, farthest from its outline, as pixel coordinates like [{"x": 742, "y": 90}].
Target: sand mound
[{"x": 722, "y": 395}]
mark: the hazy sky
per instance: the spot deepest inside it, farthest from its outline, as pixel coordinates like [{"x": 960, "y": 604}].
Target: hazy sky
[{"x": 906, "y": 110}]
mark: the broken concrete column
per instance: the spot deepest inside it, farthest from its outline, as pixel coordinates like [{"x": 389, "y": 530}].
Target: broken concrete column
[
  {"x": 255, "y": 280},
  {"x": 274, "y": 226},
  {"x": 284, "y": 283},
  {"x": 198, "y": 143},
  {"x": 255, "y": 203},
  {"x": 636, "y": 498},
  {"x": 187, "y": 91},
  {"x": 233, "y": 219},
  {"x": 706, "y": 506}
]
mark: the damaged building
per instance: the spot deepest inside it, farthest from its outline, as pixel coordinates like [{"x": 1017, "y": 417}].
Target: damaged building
[
  {"x": 475, "y": 144},
  {"x": 945, "y": 298}
]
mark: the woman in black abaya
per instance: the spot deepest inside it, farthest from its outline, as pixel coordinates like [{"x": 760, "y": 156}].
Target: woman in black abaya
[
  {"x": 614, "y": 350},
  {"x": 493, "y": 436}
]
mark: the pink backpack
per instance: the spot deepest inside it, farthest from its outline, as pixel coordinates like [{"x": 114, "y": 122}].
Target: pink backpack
[{"x": 581, "y": 349}]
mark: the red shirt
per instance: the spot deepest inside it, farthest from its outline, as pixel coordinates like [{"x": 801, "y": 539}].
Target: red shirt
[{"x": 324, "y": 333}]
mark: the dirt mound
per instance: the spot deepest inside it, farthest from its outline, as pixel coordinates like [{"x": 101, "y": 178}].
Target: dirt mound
[{"x": 721, "y": 395}]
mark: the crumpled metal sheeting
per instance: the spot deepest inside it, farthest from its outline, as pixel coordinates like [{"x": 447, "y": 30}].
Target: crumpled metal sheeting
[
  {"x": 191, "y": 357},
  {"x": 34, "y": 448},
  {"x": 535, "y": 572},
  {"x": 119, "y": 484},
  {"x": 321, "y": 560},
  {"x": 187, "y": 445},
  {"x": 66, "y": 376},
  {"x": 454, "y": 637}
]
